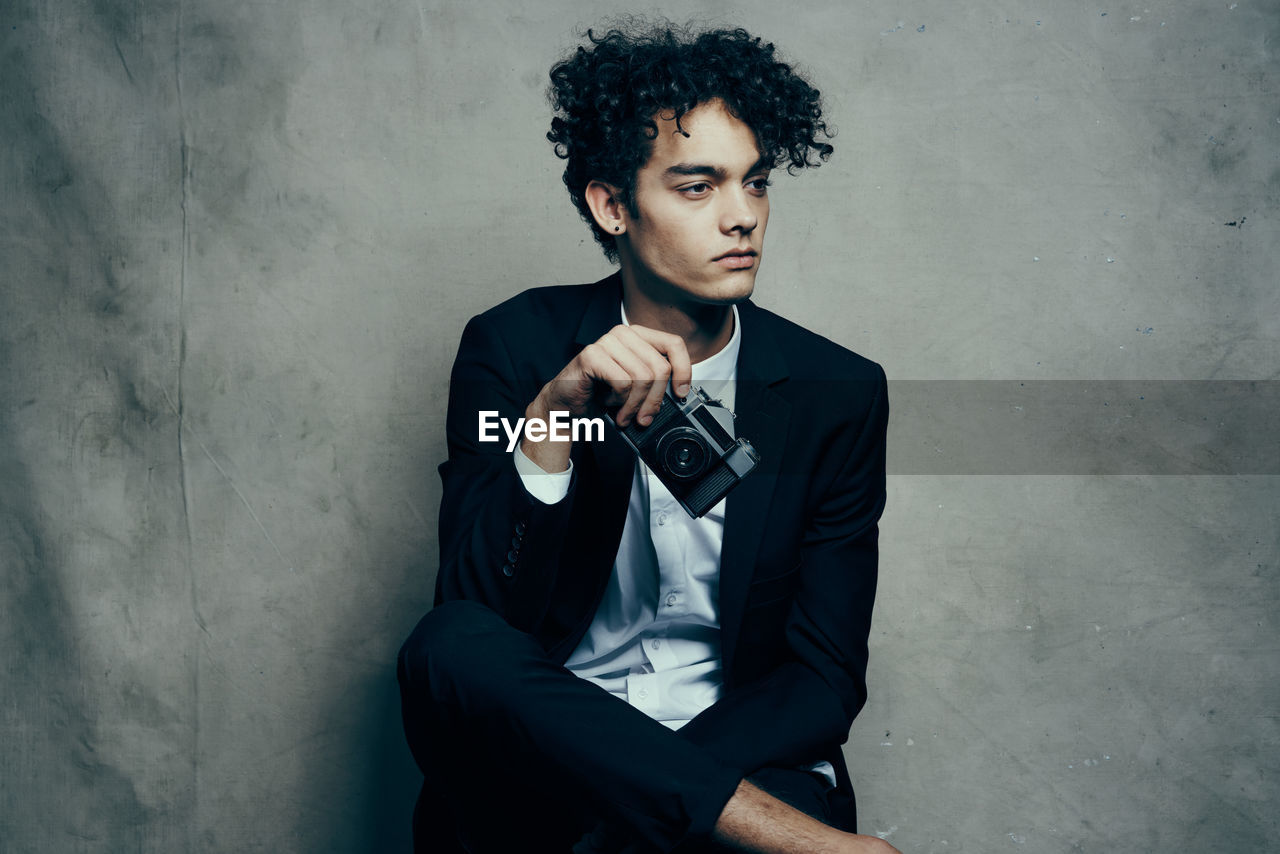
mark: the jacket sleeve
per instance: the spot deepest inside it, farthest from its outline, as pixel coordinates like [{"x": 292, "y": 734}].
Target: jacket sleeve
[
  {"x": 799, "y": 710},
  {"x": 498, "y": 544}
]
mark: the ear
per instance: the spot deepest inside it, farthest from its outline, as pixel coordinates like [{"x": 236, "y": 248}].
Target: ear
[{"x": 608, "y": 212}]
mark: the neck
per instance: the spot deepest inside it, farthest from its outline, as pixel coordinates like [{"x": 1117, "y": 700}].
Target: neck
[{"x": 706, "y": 328}]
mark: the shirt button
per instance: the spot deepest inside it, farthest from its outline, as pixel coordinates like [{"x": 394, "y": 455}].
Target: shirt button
[
  {"x": 662, "y": 518},
  {"x": 643, "y": 694},
  {"x": 671, "y": 599},
  {"x": 656, "y": 643}
]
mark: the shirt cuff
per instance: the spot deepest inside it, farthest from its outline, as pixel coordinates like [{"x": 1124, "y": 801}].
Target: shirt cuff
[
  {"x": 825, "y": 770},
  {"x": 547, "y": 487}
]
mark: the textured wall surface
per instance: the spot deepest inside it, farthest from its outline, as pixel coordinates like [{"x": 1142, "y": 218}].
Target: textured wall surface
[{"x": 239, "y": 243}]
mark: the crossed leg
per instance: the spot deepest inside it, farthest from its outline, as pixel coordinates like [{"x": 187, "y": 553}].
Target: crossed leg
[{"x": 511, "y": 743}]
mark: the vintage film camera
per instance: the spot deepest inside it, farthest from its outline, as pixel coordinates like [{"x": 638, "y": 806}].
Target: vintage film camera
[{"x": 689, "y": 445}]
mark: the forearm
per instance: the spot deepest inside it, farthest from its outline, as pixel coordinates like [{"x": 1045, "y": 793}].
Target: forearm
[
  {"x": 548, "y": 455},
  {"x": 754, "y": 820},
  {"x": 740, "y": 730}
]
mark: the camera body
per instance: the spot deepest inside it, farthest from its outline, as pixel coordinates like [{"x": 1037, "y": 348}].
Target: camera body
[{"x": 690, "y": 446}]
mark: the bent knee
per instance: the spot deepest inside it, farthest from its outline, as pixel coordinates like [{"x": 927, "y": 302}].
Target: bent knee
[{"x": 448, "y": 642}]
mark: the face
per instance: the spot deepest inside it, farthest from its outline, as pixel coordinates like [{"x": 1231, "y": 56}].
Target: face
[{"x": 703, "y": 206}]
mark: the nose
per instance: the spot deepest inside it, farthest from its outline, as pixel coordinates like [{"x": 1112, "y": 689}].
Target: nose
[{"x": 739, "y": 212}]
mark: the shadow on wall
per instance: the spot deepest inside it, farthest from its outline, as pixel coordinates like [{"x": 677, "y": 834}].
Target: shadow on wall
[
  {"x": 394, "y": 780},
  {"x": 70, "y": 415},
  {"x": 51, "y": 734}
]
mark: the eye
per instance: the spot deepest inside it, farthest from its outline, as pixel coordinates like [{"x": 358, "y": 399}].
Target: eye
[
  {"x": 696, "y": 190},
  {"x": 760, "y": 185}
]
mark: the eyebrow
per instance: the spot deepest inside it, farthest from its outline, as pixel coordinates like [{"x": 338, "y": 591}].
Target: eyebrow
[{"x": 717, "y": 172}]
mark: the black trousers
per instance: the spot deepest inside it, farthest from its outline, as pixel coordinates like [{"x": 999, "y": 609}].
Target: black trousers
[{"x": 518, "y": 753}]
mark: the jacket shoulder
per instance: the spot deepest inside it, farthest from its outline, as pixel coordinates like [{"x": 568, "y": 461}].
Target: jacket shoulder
[
  {"x": 811, "y": 356},
  {"x": 560, "y": 305}
]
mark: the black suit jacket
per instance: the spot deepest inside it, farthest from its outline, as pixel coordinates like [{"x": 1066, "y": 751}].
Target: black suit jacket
[{"x": 798, "y": 563}]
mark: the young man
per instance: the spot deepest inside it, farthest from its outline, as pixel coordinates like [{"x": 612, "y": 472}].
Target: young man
[{"x": 603, "y": 671}]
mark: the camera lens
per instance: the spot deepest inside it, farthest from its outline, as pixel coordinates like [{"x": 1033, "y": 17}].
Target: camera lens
[{"x": 683, "y": 453}]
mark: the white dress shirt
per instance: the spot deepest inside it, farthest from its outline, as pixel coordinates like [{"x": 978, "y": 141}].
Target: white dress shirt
[{"x": 655, "y": 638}]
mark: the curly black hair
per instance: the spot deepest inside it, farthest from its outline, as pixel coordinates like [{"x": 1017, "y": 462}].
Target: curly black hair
[{"x": 607, "y": 95}]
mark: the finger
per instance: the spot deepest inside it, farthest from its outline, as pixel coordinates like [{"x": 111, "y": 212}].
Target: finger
[
  {"x": 604, "y": 373},
  {"x": 677, "y": 355},
  {"x": 658, "y": 366},
  {"x": 640, "y": 376}
]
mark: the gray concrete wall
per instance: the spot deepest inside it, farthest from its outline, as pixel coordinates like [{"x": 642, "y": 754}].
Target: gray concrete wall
[{"x": 240, "y": 240}]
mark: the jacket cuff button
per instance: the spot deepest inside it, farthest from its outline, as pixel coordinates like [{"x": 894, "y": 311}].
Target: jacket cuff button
[{"x": 508, "y": 570}]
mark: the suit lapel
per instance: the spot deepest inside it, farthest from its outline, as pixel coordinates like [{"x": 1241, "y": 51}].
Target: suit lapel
[{"x": 763, "y": 418}]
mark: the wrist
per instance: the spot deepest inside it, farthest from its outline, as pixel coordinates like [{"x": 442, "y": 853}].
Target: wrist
[
  {"x": 538, "y": 407},
  {"x": 551, "y": 457}
]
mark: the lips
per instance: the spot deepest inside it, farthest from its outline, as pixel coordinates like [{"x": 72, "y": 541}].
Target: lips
[{"x": 738, "y": 259}]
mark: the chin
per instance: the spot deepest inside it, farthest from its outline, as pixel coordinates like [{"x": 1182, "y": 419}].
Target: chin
[
  {"x": 722, "y": 296},
  {"x": 733, "y": 291},
  {"x": 716, "y": 290}
]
